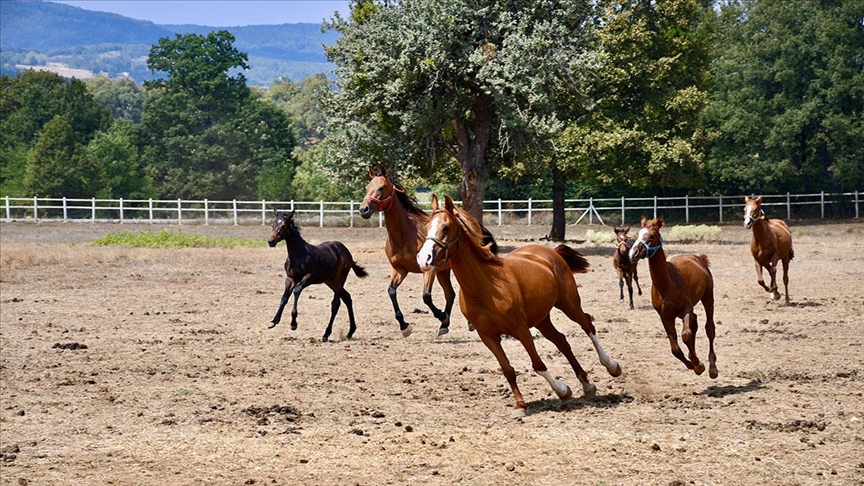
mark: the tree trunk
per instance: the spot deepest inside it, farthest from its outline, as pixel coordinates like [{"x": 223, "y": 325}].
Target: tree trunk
[
  {"x": 472, "y": 154},
  {"x": 559, "y": 223}
]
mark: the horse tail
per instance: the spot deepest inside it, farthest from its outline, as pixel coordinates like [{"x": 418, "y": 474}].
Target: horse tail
[
  {"x": 704, "y": 259},
  {"x": 575, "y": 261},
  {"x": 791, "y": 253},
  {"x": 489, "y": 240},
  {"x": 358, "y": 270}
]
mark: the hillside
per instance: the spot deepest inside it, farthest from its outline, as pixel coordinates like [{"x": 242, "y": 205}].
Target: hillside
[{"x": 57, "y": 36}]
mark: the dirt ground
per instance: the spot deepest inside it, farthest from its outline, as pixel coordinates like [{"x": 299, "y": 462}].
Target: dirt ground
[{"x": 129, "y": 366}]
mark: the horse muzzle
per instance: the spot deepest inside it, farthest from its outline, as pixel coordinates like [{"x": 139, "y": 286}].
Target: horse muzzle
[
  {"x": 273, "y": 240},
  {"x": 365, "y": 211},
  {"x": 748, "y": 223}
]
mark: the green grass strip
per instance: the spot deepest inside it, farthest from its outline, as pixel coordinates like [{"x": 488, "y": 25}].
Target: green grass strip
[{"x": 170, "y": 239}]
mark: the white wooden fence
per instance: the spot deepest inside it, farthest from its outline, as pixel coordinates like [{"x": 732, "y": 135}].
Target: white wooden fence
[{"x": 624, "y": 210}]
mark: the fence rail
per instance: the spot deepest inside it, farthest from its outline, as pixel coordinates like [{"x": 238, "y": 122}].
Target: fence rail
[{"x": 683, "y": 209}]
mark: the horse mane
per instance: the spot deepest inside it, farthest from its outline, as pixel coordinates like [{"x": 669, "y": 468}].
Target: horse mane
[
  {"x": 407, "y": 201},
  {"x": 488, "y": 252}
]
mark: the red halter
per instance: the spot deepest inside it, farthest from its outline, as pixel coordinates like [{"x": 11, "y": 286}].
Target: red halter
[{"x": 387, "y": 200}]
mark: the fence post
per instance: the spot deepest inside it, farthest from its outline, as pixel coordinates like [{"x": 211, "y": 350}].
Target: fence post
[
  {"x": 35, "y": 209},
  {"x": 150, "y": 206},
  {"x": 499, "y": 210},
  {"x": 529, "y": 211},
  {"x": 121, "y": 210},
  {"x": 721, "y": 208},
  {"x": 655, "y": 207},
  {"x": 321, "y": 217},
  {"x": 263, "y": 213},
  {"x": 234, "y": 210},
  {"x": 206, "y": 213},
  {"x": 179, "y": 212},
  {"x": 64, "y": 209},
  {"x": 351, "y": 216},
  {"x": 591, "y": 210},
  {"x": 822, "y": 203},
  {"x": 687, "y": 208},
  {"x": 9, "y": 210},
  {"x": 788, "y": 206},
  {"x": 93, "y": 211},
  {"x": 622, "y": 210},
  {"x": 856, "y": 205}
]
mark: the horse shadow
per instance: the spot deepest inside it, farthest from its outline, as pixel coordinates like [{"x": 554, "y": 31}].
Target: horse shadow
[
  {"x": 722, "y": 391},
  {"x": 577, "y": 403}
]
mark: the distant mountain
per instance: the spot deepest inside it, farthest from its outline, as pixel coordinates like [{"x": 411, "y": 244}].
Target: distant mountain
[{"x": 47, "y": 35}]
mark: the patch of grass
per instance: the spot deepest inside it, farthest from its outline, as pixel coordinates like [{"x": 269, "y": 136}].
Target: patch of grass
[
  {"x": 692, "y": 233},
  {"x": 170, "y": 239},
  {"x": 606, "y": 236}
]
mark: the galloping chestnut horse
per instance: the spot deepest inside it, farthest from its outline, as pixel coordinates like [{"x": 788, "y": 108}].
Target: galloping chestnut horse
[
  {"x": 677, "y": 286},
  {"x": 327, "y": 263},
  {"x": 771, "y": 242},
  {"x": 405, "y": 222},
  {"x": 625, "y": 268},
  {"x": 510, "y": 295}
]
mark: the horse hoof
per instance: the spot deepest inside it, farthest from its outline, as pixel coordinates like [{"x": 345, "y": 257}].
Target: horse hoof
[
  {"x": 272, "y": 325},
  {"x": 443, "y": 330},
  {"x": 699, "y": 368},
  {"x": 517, "y": 413},
  {"x": 324, "y": 339},
  {"x": 589, "y": 390},
  {"x": 293, "y": 327},
  {"x": 567, "y": 393},
  {"x": 471, "y": 327},
  {"x": 713, "y": 373},
  {"x": 616, "y": 369},
  {"x": 776, "y": 295},
  {"x": 631, "y": 306},
  {"x": 407, "y": 331}
]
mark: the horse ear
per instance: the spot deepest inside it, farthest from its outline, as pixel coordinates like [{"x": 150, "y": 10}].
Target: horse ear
[
  {"x": 435, "y": 204},
  {"x": 448, "y": 204},
  {"x": 644, "y": 220},
  {"x": 746, "y": 199},
  {"x": 758, "y": 199},
  {"x": 371, "y": 173},
  {"x": 660, "y": 221},
  {"x": 292, "y": 213}
]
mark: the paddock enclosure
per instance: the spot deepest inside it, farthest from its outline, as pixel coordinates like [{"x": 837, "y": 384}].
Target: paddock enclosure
[{"x": 155, "y": 366}]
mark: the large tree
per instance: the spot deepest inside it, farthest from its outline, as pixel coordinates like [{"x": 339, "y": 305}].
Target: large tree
[
  {"x": 422, "y": 83},
  {"x": 203, "y": 133},
  {"x": 788, "y": 103}
]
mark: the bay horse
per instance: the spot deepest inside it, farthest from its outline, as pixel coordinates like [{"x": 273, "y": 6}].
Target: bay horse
[
  {"x": 626, "y": 269},
  {"x": 771, "y": 242},
  {"x": 327, "y": 263},
  {"x": 405, "y": 222},
  {"x": 510, "y": 295},
  {"x": 677, "y": 286}
]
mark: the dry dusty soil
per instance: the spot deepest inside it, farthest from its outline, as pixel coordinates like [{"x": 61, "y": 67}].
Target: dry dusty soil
[{"x": 146, "y": 366}]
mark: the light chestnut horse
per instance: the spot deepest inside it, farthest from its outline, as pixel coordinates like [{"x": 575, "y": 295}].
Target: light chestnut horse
[
  {"x": 405, "y": 222},
  {"x": 677, "y": 286},
  {"x": 510, "y": 295},
  {"x": 771, "y": 242},
  {"x": 626, "y": 269}
]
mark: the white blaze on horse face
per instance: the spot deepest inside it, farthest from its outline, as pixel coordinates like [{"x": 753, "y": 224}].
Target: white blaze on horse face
[
  {"x": 748, "y": 216},
  {"x": 425, "y": 255},
  {"x": 640, "y": 237}
]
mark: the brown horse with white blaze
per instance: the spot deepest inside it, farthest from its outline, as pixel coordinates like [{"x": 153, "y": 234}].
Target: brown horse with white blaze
[
  {"x": 771, "y": 243},
  {"x": 405, "y": 222},
  {"x": 510, "y": 295},
  {"x": 677, "y": 286}
]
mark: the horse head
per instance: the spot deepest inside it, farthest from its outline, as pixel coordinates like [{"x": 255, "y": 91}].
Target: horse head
[
  {"x": 283, "y": 224},
  {"x": 752, "y": 211},
  {"x": 380, "y": 193},
  {"x": 621, "y": 236},
  {"x": 648, "y": 240},
  {"x": 442, "y": 234}
]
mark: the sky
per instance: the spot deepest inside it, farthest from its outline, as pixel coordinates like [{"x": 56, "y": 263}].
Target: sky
[{"x": 219, "y": 13}]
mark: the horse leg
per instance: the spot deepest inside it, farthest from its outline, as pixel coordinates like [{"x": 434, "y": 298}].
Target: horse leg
[
  {"x": 689, "y": 326},
  {"x": 289, "y": 286},
  {"x": 428, "y": 280},
  {"x": 297, "y": 290},
  {"x": 396, "y": 279},
  {"x": 708, "y": 303},
  {"x": 560, "y": 341},
  {"x": 636, "y": 279},
  {"x": 630, "y": 288},
  {"x": 760, "y": 279},
  {"x": 786, "y": 277},
  {"x": 346, "y": 297},
  {"x": 576, "y": 314},
  {"x": 620, "y": 286},
  {"x": 334, "y": 309},
  {"x": 669, "y": 326},
  {"x": 493, "y": 342},
  {"x": 772, "y": 270}
]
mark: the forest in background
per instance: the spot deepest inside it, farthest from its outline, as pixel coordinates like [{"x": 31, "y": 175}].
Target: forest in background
[{"x": 576, "y": 98}]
